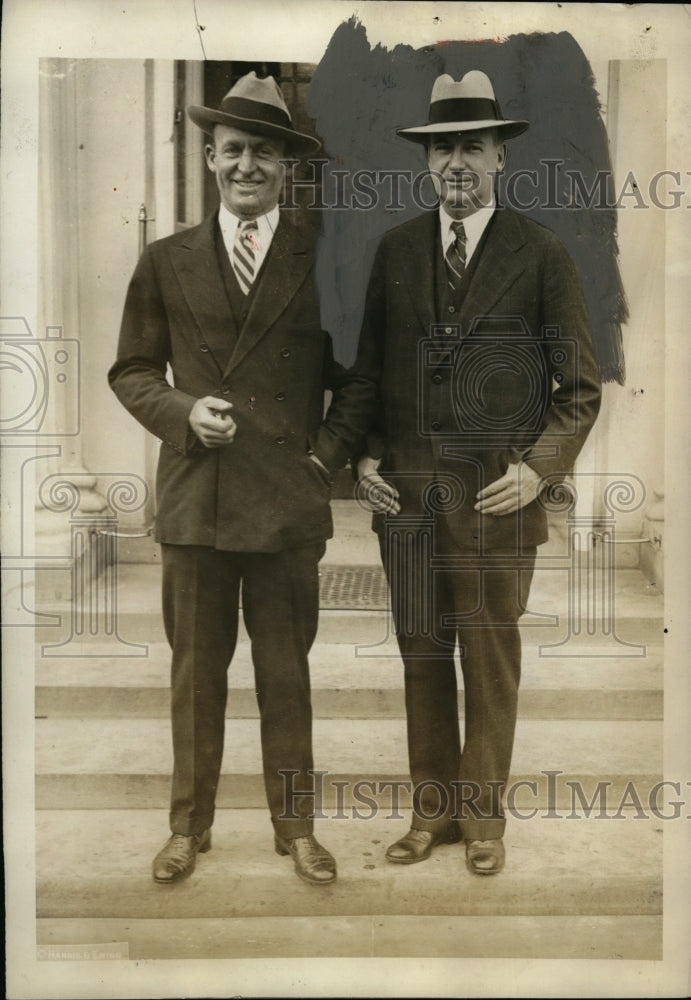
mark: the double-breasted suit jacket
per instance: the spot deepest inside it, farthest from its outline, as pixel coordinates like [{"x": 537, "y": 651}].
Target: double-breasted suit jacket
[
  {"x": 262, "y": 492},
  {"x": 252, "y": 514},
  {"x": 505, "y": 373}
]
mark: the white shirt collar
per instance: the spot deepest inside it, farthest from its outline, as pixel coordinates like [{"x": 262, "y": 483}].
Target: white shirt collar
[{"x": 474, "y": 226}]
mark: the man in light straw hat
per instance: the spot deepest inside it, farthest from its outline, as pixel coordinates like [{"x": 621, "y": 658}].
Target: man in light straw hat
[
  {"x": 245, "y": 466},
  {"x": 476, "y": 333}
]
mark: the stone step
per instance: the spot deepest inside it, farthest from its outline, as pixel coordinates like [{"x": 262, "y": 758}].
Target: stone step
[
  {"x": 553, "y": 635},
  {"x": 347, "y": 667},
  {"x": 142, "y": 746},
  {"x": 138, "y": 591},
  {"x": 126, "y": 763},
  {"x": 96, "y": 864},
  {"x": 99, "y": 702},
  {"x": 368, "y": 936},
  {"x": 367, "y": 793},
  {"x": 354, "y": 604}
]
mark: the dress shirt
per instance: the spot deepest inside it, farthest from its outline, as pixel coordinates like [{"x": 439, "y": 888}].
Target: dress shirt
[
  {"x": 266, "y": 227},
  {"x": 474, "y": 226}
]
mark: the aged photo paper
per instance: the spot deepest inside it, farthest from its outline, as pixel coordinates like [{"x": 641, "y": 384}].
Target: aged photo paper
[{"x": 99, "y": 160}]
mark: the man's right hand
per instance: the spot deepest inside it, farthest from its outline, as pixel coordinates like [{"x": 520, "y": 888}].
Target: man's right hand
[
  {"x": 211, "y": 421},
  {"x": 373, "y": 491}
]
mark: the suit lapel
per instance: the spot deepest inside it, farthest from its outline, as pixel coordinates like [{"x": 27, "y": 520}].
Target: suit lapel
[
  {"x": 196, "y": 264},
  {"x": 498, "y": 267},
  {"x": 417, "y": 267},
  {"x": 285, "y": 268}
]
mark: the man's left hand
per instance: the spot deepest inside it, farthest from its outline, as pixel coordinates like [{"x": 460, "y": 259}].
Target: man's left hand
[{"x": 517, "y": 487}]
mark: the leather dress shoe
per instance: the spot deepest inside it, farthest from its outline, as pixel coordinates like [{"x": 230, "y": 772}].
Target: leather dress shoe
[
  {"x": 484, "y": 857},
  {"x": 417, "y": 845},
  {"x": 179, "y": 855},
  {"x": 313, "y": 863}
]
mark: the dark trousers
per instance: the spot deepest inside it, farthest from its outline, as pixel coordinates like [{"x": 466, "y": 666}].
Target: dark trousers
[
  {"x": 442, "y": 596},
  {"x": 280, "y": 600}
]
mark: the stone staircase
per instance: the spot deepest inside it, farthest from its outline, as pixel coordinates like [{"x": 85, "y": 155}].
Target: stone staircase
[{"x": 584, "y": 860}]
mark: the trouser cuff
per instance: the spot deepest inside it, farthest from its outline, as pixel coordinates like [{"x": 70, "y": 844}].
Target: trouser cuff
[
  {"x": 190, "y": 826},
  {"x": 436, "y": 825},
  {"x": 289, "y": 829},
  {"x": 483, "y": 829}
]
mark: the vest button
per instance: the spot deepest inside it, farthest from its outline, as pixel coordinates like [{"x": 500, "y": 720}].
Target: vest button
[
  {"x": 204, "y": 348},
  {"x": 452, "y": 309},
  {"x": 280, "y": 440},
  {"x": 436, "y": 426},
  {"x": 225, "y": 390},
  {"x": 437, "y": 379},
  {"x": 280, "y": 396},
  {"x": 285, "y": 353}
]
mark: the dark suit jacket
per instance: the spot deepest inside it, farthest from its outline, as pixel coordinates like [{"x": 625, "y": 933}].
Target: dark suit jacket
[
  {"x": 261, "y": 492},
  {"x": 508, "y": 376}
]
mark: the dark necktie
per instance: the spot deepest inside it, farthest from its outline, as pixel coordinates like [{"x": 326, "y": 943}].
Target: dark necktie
[
  {"x": 455, "y": 256},
  {"x": 244, "y": 250}
]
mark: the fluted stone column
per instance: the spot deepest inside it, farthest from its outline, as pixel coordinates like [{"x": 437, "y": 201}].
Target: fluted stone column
[{"x": 59, "y": 293}]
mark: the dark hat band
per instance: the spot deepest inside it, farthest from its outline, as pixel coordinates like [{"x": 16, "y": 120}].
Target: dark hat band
[
  {"x": 464, "y": 109},
  {"x": 240, "y": 107}
]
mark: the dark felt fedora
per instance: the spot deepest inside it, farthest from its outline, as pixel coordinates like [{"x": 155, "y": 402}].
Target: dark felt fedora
[
  {"x": 255, "y": 105},
  {"x": 465, "y": 106}
]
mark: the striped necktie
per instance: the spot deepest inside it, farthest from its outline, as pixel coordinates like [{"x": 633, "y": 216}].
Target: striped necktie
[
  {"x": 455, "y": 255},
  {"x": 244, "y": 251}
]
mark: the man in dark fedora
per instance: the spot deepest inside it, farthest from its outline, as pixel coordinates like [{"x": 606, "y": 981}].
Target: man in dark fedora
[
  {"x": 476, "y": 334},
  {"x": 244, "y": 475}
]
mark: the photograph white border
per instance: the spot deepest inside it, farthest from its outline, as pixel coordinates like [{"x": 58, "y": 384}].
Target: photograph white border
[{"x": 300, "y": 31}]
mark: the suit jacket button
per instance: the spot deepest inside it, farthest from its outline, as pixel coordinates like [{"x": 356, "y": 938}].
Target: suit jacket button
[
  {"x": 437, "y": 379},
  {"x": 436, "y": 426},
  {"x": 225, "y": 390},
  {"x": 280, "y": 440},
  {"x": 285, "y": 353},
  {"x": 204, "y": 348},
  {"x": 280, "y": 396}
]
